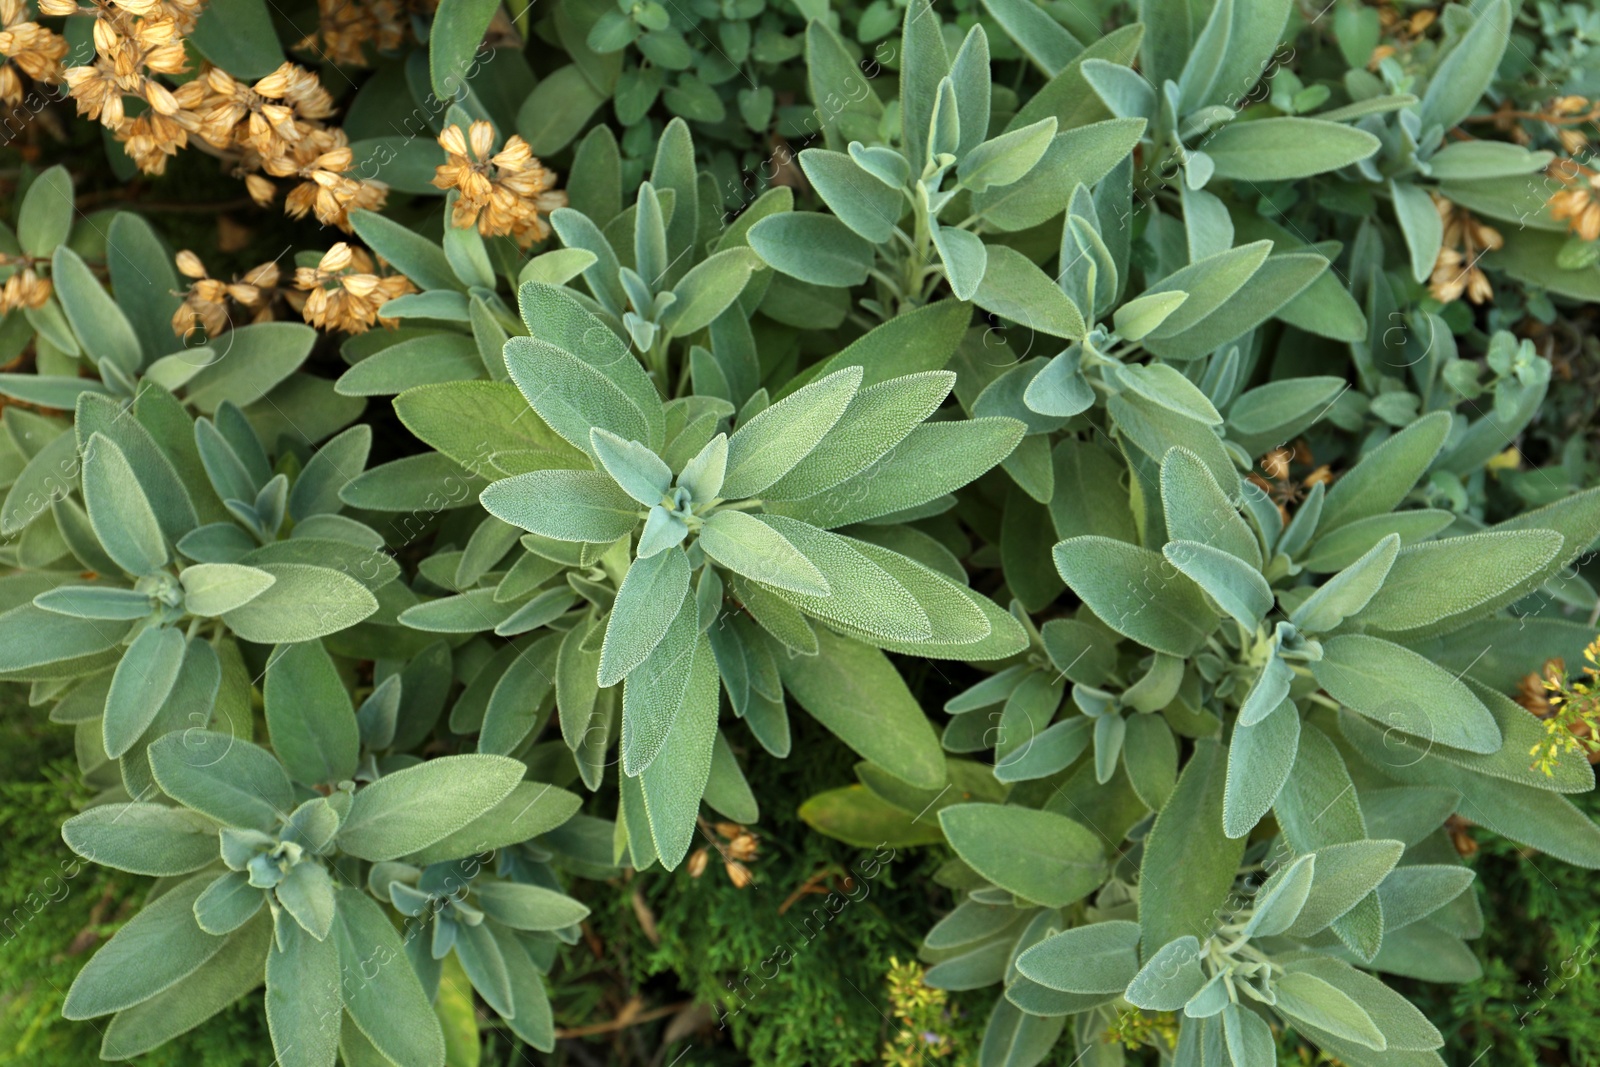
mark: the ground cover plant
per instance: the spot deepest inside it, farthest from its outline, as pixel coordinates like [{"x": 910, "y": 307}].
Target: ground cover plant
[{"x": 996, "y": 532}]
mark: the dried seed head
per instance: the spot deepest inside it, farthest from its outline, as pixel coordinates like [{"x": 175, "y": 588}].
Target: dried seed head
[
  {"x": 189, "y": 265},
  {"x": 335, "y": 259}
]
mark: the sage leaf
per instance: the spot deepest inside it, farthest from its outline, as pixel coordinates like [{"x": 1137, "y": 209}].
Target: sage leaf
[
  {"x": 1405, "y": 691},
  {"x": 411, "y": 809},
  {"x": 564, "y": 505},
  {"x": 217, "y": 588},
  {"x": 1260, "y": 758},
  {"x": 121, "y": 514},
  {"x": 309, "y": 715},
  {"x": 1101, "y": 957},
  {"x": 1350, "y": 591},
  {"x": 389, "y": 1007},
  {"x": 1188, "y": 866},
  {"x": 142, "y": 838},
  {"x": 749, "y": 546},
  {"x": 1279, "y": 149},
  {"x": 157, "y": 948},
  {"x": 1038, "y": 855},
  {"x": 773, "y": 442},
  {"x": 144, "y": 678},
  {"x": 857, "y": 694},
  {"x": 1133, "y": 591},
  {"x": 227, "y": 778},
  {"x": 676, "y": 778},
  {"x": 1236, "y": 587}
]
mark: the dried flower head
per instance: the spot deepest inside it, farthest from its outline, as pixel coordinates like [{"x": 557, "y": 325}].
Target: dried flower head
[
  {"x": 740, "y": 843},
  {"x": 325, "y": 187},
  {"x": 1531, "y": 692},
  {"x": 268, "y": 117},
  {"x": 136, "y": 40},
  {"x": 1401, "y": 30},
  {"x": 345, "y": 27},
  {"x": 1456, "y": 271},
  {"x": 738, "y": 874},
  {"x": 209, "y": 304},
  {"x": 24, "y": 289},
  {"x": 1460, "y": 831},
  {"x": 698, "y": 860},
  {"x": 28, "y": 48},
  {"x": 345, "y": 291},
  {"x": 1283, "y": 487},
  {"x": 1577, "y": 201},
  {"x": 505, "y": 193},
  {"x": 151, "y": 139}
]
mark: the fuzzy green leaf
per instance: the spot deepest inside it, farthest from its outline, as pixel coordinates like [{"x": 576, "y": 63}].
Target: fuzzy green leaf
[
  {"x": 1405, "y": 691},
  {"x": 1038, "y": 855},
  {"x": 1135, "y": 592},
  {"x": 147, "y": 839},
  {"x": 413, "y": 808},
  {"x": 772, "y": 443},
  {"x": 566, "y": 505},
  {"x": 647, "y": 602},
  {"x": 857, "y": 694}
]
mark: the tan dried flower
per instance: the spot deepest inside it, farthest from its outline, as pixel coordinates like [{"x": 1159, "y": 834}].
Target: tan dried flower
[
  {"x": 1403, "y": 31},
  {"x": 269, "y": 117},
  {"x": 206, "y": 305},
  {"x": 151, "y": 139},
  {"x": 327, "y": 189},
  {"x": 189, "y": 265},
  {"x": 345, "y": 292},
  {"x": 346, "y": 26},
  {"x": 744, "y": 846},
  {"x": 1456, "y": 271},
  {"x": 1577, "y": 202},
  {"x": 1277, "y": 480},
  {"x": 505, "y": 193},
  {"x": 741, "y": 843},
  {"x": 1460, "y": 831},
  {"x": 24, "y": 289},
  {"x": 97, "y": 92},
  {"x": 134, "y": 41},
  {"x": 28, "y": 48},
  {"x": 261, "y": 191},
  {"x": 1575, "y": 142}
]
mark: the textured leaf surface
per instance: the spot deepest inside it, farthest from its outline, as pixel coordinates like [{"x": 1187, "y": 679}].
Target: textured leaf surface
[
  {"x": 410, "y": 809},
  {"x": 857, "y": 694},
  {"x": 1188, "y": 865},
  {"x": 1038, "y": 855},
  {"x": 1137, "y": 593},
  {"x": 1403, "y": 690}
]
